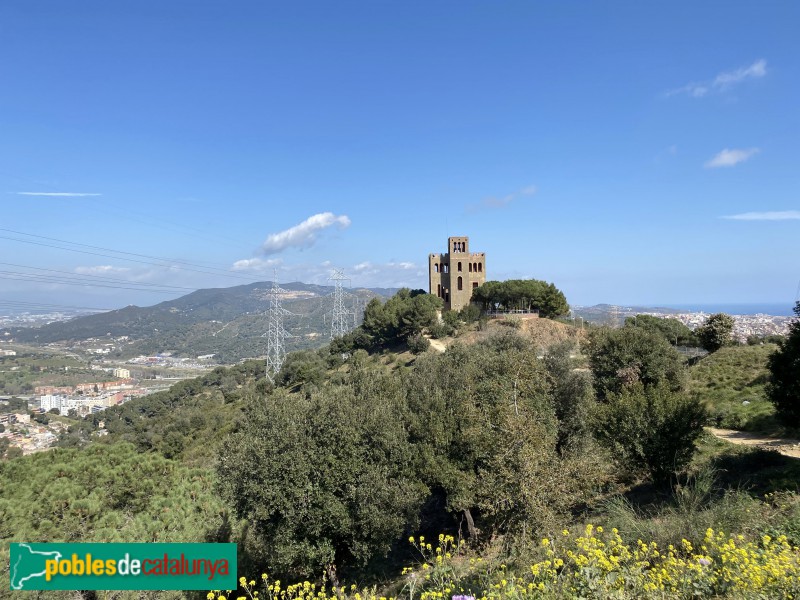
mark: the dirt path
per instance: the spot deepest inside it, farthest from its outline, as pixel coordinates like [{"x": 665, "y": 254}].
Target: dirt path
[
  {"x": 437, "y": 345},
  {"x": 785, "y": 446}
]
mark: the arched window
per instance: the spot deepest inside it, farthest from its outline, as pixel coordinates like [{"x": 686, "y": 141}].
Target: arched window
[
  {"x": 470, "y": 267},
  {"x": 436, "y": 267},
  {"x": 446, "y": 268},
  {"x": 459, "y": 265},
  {"x": 480, "y": 267},
  {"x": 460, "y": 283},
  {"x": 439, "y": 290}
]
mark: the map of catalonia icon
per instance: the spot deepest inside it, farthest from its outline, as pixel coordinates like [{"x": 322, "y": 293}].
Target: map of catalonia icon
[{"x": 28, "y": 564}]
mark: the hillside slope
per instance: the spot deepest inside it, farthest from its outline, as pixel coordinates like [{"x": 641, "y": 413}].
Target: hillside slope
[
  {"x": 731, "y": 383},
  {"x": 228, "y": 322}
]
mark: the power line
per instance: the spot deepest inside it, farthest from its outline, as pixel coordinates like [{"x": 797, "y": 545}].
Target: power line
[
  {"x": 66, "y": 278},
  {"x": 162, "y": 261}
]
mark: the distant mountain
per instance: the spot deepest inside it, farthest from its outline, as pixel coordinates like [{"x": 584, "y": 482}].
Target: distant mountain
[
  {"x": 228, "y": 322},
  {"x": 604, "y": 313}
]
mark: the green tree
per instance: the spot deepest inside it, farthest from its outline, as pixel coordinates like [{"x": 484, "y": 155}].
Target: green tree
[
  {"x": 324, "y": 478},
  {"x": 484, "y": 425},
  {"x": 675, "y": 332},
  {"x": 302, "y": 367},
  {"x": 626, "y": 356},
  {"x": 418, "y": 344},
  {"x": 716, "y": 332},
  {"x": 572, "y": 394},
  {"x": 784, "y": 365},
  {"x": 528, "y": 294},
  {"x": 650, "y": 430},
  {"x": 403, "y": 315}
]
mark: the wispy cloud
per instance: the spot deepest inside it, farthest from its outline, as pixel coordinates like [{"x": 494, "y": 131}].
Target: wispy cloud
[
  {"x": 730, "y": 157},
  {"x": 101, "y": 270},
  {"x": 389, "y": 274},
  {"x": 723, "y": 81},
  {"x": 303, "y": 235},
  {"x": 779, "y": 215},
  {"x": 57, "y": 194},
  {"x": 369, "y": 268},
  {"x": 496, "y": 202},
  {"x": 256, "y": 264}
]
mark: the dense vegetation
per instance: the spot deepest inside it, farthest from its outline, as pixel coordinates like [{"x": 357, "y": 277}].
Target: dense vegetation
[
  {"x": 527, "y": 294},
  {"x": 106, "y": 494},
  {"x": 784, "y": 366},
  {"x": 500, "y": 443},
  {"x": 675, "y": 332},
  {"x": 186, "y": 420}
]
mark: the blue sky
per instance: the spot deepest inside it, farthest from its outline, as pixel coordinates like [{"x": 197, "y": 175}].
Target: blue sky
[{"x": 629, "y": 152}]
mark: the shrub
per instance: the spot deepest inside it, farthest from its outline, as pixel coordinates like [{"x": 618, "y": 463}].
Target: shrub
[
  {"x": 784, "y": 365},
  {"x": 440, "y": 330},
  {"x": 512, "y": 321},
  {"x": 630, "y": 355},
  {"x": 324, "y": 479},
  {"x": 418, "y": 344},
  {"x": 650, "y": 430},
  {"x": 470, "y": 313}
]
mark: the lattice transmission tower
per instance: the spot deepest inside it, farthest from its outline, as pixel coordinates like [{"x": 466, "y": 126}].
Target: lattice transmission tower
[
  {"x": 341, "y": 317},
  {"x": 276, "y": 352},
  {"x": 614, "y": 316}
]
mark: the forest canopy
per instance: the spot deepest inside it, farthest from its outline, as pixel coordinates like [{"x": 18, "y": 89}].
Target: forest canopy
[{"x": 522, "y": 294}]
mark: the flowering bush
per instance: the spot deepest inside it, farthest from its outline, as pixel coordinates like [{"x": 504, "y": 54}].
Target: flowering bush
[{"x": 593, "y": 564}]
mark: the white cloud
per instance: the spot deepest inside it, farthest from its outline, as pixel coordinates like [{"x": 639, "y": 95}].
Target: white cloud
[
  {"x": 405, "y": 266},
  {"x": 101, "y": 270},
  {"x": 389, "y": 274},
  {"x": 730, "y": 157},
  {"x": 59, "y": 194},
  {"x": 780, "y": 215},
  {"x": 494, "y": 202},
  {"x": 304, "y": 234},
  {"x": 255, "y": 264},
  {"x": 723, "y": 81}
]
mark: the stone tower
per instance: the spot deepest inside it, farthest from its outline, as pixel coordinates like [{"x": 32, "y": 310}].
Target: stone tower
[{"x": 453, "y": 275}]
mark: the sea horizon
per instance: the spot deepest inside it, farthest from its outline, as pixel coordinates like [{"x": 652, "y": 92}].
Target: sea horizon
[{"x": 777, "y": 309}]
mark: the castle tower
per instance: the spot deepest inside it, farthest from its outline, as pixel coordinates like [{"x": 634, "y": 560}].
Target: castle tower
[{"x": 453, "y": 275}]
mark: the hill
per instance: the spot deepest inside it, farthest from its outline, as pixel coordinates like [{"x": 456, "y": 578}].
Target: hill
[
  {"x": 228, "y": 322},
  {"x": 731, "y": 383}
]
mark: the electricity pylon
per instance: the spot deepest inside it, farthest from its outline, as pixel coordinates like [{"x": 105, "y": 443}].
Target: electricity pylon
[
  {"x": 276, "y": 352},
  {"x": 340, "y": 316}
]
